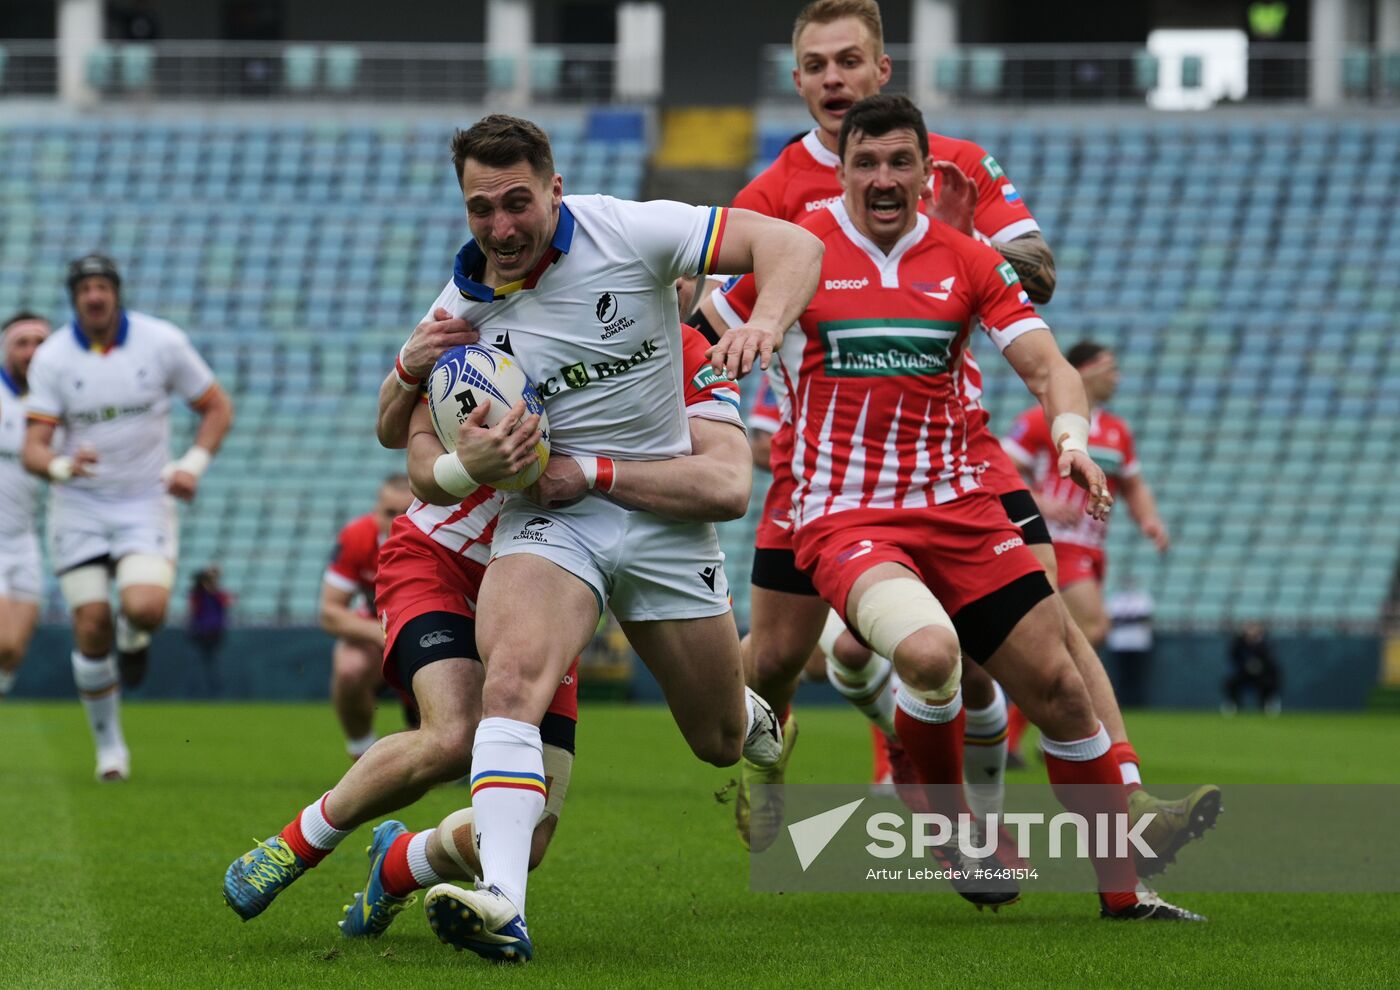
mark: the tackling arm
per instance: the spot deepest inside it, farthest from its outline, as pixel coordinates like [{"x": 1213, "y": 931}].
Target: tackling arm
[
  {"x": 338, "y": 619},
  {"x": 424, "y": 448},
  {"x": 710, "y": 484},
  {"x": 1034, "y": 262}
]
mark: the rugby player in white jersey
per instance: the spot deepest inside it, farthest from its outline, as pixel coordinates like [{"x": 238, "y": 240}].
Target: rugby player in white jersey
[
  {"x": 108, "y": 379},
  {"x": 429, "y": 578},
  {"x": 20, "y": 576},
  {"x": 581, "y": 289}
]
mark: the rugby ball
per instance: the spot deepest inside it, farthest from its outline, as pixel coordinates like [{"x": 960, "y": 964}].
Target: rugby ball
[{"x": 465, "y": 377}]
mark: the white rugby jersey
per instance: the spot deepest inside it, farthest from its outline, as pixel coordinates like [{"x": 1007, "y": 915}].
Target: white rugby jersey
[
  {"x": 19, "y": 490},
  {"x": 117, "y": 400},
  {"x": 595, "y": 325}
]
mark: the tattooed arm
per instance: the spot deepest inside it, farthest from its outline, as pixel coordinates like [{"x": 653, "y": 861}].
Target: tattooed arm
[{"x": 1031, "y": 257}]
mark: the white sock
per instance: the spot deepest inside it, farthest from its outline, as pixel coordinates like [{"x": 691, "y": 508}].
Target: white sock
[
  {"x": 418, "y": 865},
  {"x": 358, "y": 747},
  {"x": 508, "y": 794},
  {"x": 316, "y": 829},
  {"x": 129, "y": 637},
  {"x": 7, "y": 680},
  {"x": 871, "y": 688},
  {"x": 984, "y": 756},
  {"x": 101, "y": 696},
  {"x": 936, "y": 713}
]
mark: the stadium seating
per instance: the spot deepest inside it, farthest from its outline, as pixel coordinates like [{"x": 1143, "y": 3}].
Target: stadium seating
[
  {"x": 1246, "y": 272},
  {"x": 297, "y": 255}
]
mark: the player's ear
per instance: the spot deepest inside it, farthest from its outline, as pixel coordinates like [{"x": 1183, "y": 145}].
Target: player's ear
[
  {"x": 556, "y": 189},
  {"x": 797, "y": 79},
  {"x": 886, "y": 69}
]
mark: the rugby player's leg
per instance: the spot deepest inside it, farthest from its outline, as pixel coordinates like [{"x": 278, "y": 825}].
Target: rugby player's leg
[
  {"x": 396, "y": 771},
  {"x": 355, "y": 681},
  {"x": 526, "y": 650},
  {"x": 984, "y": 741},
  {"x": 17, "y": 620},
  {"x": 143, "y": 590},
  {"x": 1031, "y": 659},
  {"x": 784, "y": 628},
  {"x": 85, "y": 588},
  {"x": 900, "y": 618},
  {"x": 696, "y": 662}
]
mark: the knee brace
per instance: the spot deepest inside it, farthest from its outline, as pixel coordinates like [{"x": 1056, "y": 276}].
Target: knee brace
[
  {"x": 893, "y": 610},
  {"x": 144, "y": 568},
  {"x": 85, "y": 585}
]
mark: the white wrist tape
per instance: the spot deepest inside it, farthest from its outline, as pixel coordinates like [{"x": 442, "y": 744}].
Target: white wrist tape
[
  {"x": 61, "y": 469},
  {"x": 1070, "y": 431},
  {"x": 195, "y": 462},
  {"x": 589, "y": 467},
  {"x": 452, "y": 477}
]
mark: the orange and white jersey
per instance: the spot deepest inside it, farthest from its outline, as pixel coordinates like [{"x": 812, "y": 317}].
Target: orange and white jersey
[
  {"x": 116, "y": 400},
  {"x": 878, "y": 414},
  {"x": 467, "y": 527},
  {"x": 1110, "y": 445}
]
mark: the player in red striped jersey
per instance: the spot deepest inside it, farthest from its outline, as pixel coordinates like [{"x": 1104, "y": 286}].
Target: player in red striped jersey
[
  {"x": 359, "y": 638},
  {"x": 890, "y": 516},
  {"x": 839, "y": 51},
  {"x": 430, "y": 570},
  {"x": 1079, "y": 540}
]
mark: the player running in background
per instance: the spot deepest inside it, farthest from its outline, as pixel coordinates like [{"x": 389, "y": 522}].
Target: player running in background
[
  {"x": 21, "y": 577},
  {"x": 840, "y": 59},
  {"x": 1079, "y": 539},
  {"x": 582, "y": 287},
  {"x": 358, "y": 654},
  {"x": 108, "y": 378},
  {"x": 890, "y": 516},
  {"x": 428, "y": 582}
]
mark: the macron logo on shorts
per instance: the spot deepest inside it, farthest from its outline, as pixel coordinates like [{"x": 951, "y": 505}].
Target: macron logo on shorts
[
  {"x": 859, "y": 550},
  {"x": 435, "y": 638},
  {"x": 1010, "y": 544}
]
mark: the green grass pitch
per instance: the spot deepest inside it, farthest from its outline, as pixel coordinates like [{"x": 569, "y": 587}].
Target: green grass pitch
[{"x": 119, "y": 885}]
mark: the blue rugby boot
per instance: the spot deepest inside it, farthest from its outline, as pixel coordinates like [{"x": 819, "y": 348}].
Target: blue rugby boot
[
  {"x": 254, "y": 879},
  {"x": 373, "y": 909}
]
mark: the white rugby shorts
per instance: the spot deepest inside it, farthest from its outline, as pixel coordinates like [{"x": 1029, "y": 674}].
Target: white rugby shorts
[
  {"x": 21, "y": 574},
  {"x": 85, "y": 527},
  {"x": 643, "y": 567}
]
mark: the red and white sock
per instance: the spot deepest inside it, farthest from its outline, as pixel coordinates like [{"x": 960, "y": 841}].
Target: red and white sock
[
  {"x": 932, "y": 735},
  {"x": 405, "y": 867},
  {"x": 1087, "y": 761},
  {"x": 311, "y": 835},
  {"x": 1128, "y": 764}
]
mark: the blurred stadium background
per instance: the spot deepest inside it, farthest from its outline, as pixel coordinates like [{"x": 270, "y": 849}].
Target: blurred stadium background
[{"x": 1220, "y": 182}]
